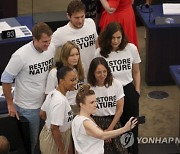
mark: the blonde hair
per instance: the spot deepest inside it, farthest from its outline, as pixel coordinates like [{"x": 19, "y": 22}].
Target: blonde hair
[{"x": 62, "y": 55}]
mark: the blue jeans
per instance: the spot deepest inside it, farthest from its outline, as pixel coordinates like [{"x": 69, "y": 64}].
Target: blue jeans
[{"x": 34, "y": 121}]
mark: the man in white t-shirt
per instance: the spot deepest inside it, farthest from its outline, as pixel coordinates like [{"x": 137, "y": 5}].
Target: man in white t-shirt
[
  {"x": 79, "y": 30},
  {"x": 29, "y": 66}
]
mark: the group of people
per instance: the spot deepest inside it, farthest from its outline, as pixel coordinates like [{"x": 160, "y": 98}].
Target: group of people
[
  {"x": 108, "y": 11},
  {"x": 75, "y": 78}
]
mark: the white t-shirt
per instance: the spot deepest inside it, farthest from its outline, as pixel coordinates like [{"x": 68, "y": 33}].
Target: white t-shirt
[
  {"x": 52, "y": 83},
  {"x": 121, "y": 62},
  {"x": 85, "y": 144},
  {"x": 30, "y": 69},
  {"x": 84, "y": 37},
  {"x": 107, "y": 98},
  {"x": 58, "y": 111}
]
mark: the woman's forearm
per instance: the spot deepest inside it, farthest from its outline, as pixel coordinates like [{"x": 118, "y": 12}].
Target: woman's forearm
[
  {"x": 106, "y": 6},
  {"x": 57, "y": 138},
  {"x": 119, "y": 111}
]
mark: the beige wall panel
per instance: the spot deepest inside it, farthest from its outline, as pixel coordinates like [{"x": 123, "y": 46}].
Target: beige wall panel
[{"x": 25, "y": 6}]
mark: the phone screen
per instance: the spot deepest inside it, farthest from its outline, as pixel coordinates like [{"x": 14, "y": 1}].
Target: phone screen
[{"x": 141, "y": 120}]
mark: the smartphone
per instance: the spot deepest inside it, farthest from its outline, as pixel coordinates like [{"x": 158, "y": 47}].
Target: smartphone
[{"x": 141, "y": 119}]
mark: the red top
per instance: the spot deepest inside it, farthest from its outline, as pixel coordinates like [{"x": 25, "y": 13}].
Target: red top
[{"x": 124, "y": 14}]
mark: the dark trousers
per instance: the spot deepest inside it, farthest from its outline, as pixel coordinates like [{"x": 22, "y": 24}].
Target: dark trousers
[{"x": 131, "y": 108}]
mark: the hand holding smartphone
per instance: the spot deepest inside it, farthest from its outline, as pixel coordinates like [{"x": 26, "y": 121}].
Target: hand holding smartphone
[{"x": 140, "y": 119}]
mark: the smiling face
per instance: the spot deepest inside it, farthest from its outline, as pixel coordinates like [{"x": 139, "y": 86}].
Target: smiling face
[
  {"x": 73, "y": 57},
  {"x": 43, "y": 43},
  {"x": 70, "y": 80},
  {"x": 77, "y": 19},
  {"x": 116, "y": 40},
  {"x": 89, "y": 105},
  {"x": 100, "y": 74}
]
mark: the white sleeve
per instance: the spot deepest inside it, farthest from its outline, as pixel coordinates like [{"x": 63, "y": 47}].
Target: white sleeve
[
  {"x": 51, "y": 81},
  {"x": 97, "y": 52},
  {"x": 135, "y": 54},
  {"x": 57, "y": 112},
  {"x": 15, "y": 65},
  {"x": 56, "y": 38},
  {"x": 44, "y": 105},
  {"x": 7, "y": 78},
  {"x": 118, "y": 89},
  {"x": 77, "y": 129},
  {"x": 96, "y": 35}
]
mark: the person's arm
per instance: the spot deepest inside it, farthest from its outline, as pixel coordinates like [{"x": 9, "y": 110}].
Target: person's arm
[
  {"x": 42, "y": 115},
  {"x": 57, "y": 138},
  {"x": 96, "y": 132},
  {"x": 136, "y": 76},
  {"x": 13, "y": 68},
  {"x": 119, "y": 111},
  {"x": 9, "y": 99},
  {"x": 106, "y": 6},
  {"x": 97, "y": 44}
]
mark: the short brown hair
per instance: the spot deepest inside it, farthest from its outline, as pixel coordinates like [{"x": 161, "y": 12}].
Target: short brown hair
[
  {"x": 75, "y": 6},
  {"x": 40, "y": 28}
]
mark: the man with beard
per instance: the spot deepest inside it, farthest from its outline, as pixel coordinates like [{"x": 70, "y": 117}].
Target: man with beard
[{"x": 79, "y": 30}]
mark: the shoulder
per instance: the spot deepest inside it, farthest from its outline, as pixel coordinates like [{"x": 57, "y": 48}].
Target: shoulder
[
  {"x": 58, "y": 97},
  {"x": 60, "y": 31},
  {"x": 52, "y": 46},
  {"x": 79, "y": 117},
  {"x": 131, "y": 46},
  {"x": 97, "y": 52},
  {"x": 133, "y": 50},
  {"x": 22, "y": 53},
  {"x": 89, "y": 20},
  {"x": 51, "y": 50},
  {"x": 78, "y": 120},
  {"x": 116, "y": 82},
  {"x": 53, "y": 72},
  {"x": 47, "y": 100},
  {"x": 24, "y": 49}
]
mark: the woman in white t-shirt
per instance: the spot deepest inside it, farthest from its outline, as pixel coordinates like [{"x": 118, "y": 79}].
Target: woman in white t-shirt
[
  {"x": 123, "y": 59},
  {"x": 55, "y": 136},
  {"x": 110, "y": 101},
  {"x": 67, "y": 55},
  {"x": 88, "y": 137}
]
